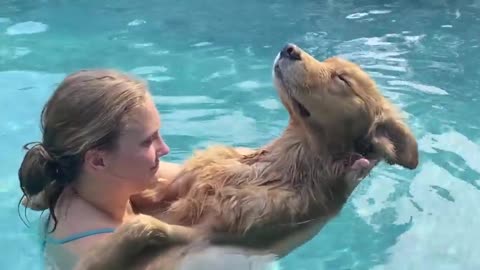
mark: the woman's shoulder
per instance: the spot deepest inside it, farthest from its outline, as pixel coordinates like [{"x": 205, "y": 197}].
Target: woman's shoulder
[{"x": 79, "y": 225}]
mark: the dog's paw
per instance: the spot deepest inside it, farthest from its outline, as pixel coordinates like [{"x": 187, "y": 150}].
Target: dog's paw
[{"x": 147, "y": 230}]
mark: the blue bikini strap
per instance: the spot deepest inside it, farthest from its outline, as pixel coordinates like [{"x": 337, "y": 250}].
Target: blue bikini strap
[{"x": 76, "y": 236}]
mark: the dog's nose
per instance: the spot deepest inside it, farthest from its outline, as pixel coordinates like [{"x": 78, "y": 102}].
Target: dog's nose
[{"x": 291, "y": 51}]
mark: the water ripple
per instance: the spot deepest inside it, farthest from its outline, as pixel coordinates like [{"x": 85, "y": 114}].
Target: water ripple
[
  {"x": 437, "y": 237},
  {"x": 26, "y": 28},
  {"x": 148, "y": 70},
  {"x": 251, "y": 85},
  {"x": 164, "y": 100},
  {"x": 136, "y": 22},
  {"x": 453, "y": 142},
  {"x": 429, "y": 89}
]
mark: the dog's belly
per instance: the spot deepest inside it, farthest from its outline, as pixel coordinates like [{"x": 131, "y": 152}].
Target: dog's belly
[
  {"x": 206, "y": 257},
  {"x": 217, "y": 258}
]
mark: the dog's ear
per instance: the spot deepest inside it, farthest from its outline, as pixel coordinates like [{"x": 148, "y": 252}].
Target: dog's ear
[{"x": 395, "y": 141}]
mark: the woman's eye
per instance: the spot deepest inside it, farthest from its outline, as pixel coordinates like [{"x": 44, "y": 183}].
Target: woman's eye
[
  {"x": 147, "y": 142},
  {"x": 150, "y": 140}
]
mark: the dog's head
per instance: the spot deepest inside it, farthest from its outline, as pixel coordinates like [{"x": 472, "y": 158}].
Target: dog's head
[{"x": 337, "y": 102}]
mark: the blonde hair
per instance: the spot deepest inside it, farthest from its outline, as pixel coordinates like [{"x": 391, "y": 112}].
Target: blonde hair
[{"x": 88, "y": 110}]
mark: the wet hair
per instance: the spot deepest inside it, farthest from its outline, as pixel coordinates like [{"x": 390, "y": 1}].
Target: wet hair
[{"x": 88, "y": 110}]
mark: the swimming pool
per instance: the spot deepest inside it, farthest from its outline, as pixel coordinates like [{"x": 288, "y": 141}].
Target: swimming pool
[{"x": 208, "y": 64}]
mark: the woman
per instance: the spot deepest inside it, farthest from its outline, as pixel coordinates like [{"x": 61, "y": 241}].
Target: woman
[{"x": 101, "y": 145}]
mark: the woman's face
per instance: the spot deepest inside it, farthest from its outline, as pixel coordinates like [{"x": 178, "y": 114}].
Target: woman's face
[{"x": 136, "y": 158}]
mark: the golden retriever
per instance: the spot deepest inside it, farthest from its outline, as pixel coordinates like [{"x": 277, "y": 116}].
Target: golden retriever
[{"x": 337, "y": 117}]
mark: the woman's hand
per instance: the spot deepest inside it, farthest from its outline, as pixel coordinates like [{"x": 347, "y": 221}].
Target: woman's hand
[{"x": 358, "y": 171}]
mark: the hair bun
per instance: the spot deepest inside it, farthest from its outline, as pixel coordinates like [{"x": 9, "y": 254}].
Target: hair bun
[{"x": 38, "y": 169}]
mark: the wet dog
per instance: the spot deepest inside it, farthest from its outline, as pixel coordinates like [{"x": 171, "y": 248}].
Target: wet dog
[{"x": 338, "y": 119}]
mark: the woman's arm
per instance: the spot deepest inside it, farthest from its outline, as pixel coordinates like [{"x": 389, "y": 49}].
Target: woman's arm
[
  {"x": 169, "y": 170},
  {"x": 119, "y": 249},
  {"x": 152, "y": 197}
]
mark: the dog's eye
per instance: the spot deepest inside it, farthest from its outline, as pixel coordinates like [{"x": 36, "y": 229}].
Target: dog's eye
[{"x": 342, "y": 79}]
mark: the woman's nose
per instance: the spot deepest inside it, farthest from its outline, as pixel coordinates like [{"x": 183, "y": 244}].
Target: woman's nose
[{"x": 162, "y": 147}]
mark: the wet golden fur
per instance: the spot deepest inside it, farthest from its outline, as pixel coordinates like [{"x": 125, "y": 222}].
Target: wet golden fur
[{"x": 336, "y": 114}]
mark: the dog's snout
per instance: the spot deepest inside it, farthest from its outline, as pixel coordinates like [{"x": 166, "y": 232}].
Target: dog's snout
[{"x": 291, "y": 51}]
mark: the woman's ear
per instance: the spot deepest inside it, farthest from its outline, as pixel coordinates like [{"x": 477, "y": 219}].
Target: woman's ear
[
  {"x": 95, "y": 159},
  {"x": 395, "y": 141}
]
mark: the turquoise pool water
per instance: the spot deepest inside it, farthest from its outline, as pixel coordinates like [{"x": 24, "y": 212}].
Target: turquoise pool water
[{"x": 208, "y": 65}]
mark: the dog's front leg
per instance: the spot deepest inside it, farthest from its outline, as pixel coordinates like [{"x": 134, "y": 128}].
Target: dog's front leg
[{"x": 122, "y": 248}]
